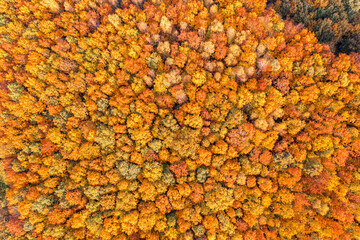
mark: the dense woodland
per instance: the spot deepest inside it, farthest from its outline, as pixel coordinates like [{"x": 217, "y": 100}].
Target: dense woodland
[{"x": 179, "y": 119}]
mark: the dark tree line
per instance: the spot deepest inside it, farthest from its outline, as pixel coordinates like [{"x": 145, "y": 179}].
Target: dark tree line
[{"x": 334, "y": 22}]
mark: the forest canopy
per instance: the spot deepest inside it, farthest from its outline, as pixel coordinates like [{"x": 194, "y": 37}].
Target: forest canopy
[{"x": 182, "y": 119}]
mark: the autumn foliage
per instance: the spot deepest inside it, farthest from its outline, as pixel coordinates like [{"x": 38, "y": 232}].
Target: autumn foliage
[{"x": 182, "y": 119}]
